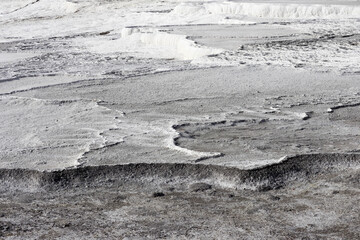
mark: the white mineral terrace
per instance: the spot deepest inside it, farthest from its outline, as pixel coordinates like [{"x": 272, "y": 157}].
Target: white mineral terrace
[{"x": 104, "y": 82}]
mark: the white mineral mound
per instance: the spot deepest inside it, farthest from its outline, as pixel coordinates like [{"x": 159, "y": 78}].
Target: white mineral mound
[
  {"x": 182, "y": 47},
  {"x": 149, "y": 42},
  {"x": 270, "y": 10}
]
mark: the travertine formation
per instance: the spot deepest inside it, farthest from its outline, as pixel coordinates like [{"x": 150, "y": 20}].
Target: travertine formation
[{"x": 179, "y": 119}]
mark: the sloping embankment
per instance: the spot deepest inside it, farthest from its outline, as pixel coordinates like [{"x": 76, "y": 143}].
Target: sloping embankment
[{"x": 297, "y": 168}]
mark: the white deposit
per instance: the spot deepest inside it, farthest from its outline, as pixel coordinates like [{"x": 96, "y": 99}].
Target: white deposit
[
  {"x": 270, "y": 10},
  {"x": 148, "y": 42},
  {"x": 56, "y": 133},
  {"x": 236, "y": 83}
]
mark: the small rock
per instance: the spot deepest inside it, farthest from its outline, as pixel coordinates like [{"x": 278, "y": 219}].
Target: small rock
[
  {"x": 305, "y": 116},
  {"x": 158, "y": 194},
  {"x": 263, "y": 120}
]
